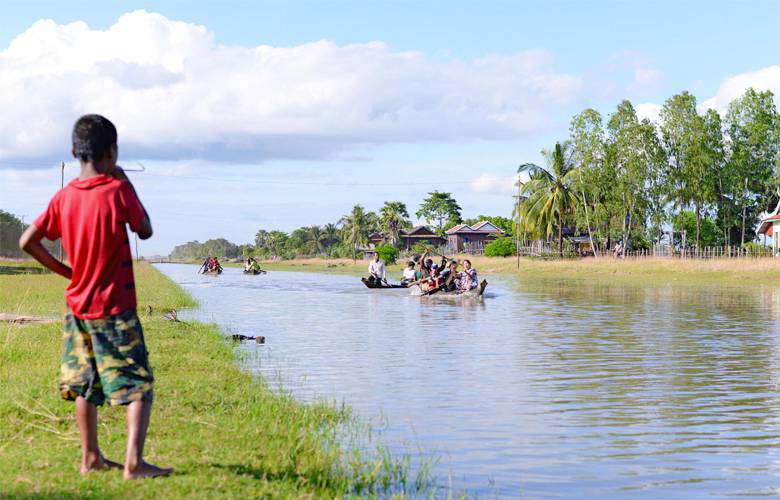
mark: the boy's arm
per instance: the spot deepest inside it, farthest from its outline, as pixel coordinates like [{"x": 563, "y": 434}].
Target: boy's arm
[
  {"x": 30, "y": 242},
  {"x": 145, "y": 230}
]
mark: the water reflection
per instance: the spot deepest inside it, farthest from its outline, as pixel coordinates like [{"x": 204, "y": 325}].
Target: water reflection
[{"x": 542, "y": 389}]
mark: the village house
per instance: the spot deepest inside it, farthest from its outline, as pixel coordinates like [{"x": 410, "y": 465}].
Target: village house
[
  {"x": 769, "y": 226},
  {"x": 420, "y": 234},
  {"x": 472, "y": 239}
]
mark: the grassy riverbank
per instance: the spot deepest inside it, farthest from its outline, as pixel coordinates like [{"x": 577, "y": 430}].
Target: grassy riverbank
[
  {"x": 224, "y": 432},
  {"x": 720, "y": 272}
]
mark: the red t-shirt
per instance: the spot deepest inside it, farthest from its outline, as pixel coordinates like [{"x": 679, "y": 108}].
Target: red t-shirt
[{"x": 90, "y": 216}]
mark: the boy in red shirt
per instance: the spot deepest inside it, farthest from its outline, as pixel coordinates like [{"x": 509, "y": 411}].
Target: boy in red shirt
[{"x": 104, "y": 356}]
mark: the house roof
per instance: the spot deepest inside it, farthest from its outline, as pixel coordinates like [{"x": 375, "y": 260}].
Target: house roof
[
  {"x": 418, "y": 229},
  {"x": 484, "y": 227},
  {"x": 460, "y": 228}
]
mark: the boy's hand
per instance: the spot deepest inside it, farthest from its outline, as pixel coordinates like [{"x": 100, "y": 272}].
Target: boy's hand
[{"x": 30, "y": 242}]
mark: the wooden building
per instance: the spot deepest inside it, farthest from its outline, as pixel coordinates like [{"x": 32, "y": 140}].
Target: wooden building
[
  {"x": 472, "y": 239},
  {"x": 420, "y": 234}
]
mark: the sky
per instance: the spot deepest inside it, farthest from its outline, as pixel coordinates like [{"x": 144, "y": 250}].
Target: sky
[{"x": 275, "y": 115}]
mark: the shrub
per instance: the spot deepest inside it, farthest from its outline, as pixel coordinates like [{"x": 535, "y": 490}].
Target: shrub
[
  {"x": 387, "y": 253},
  {"x": 757, "y": 249},
  {"x": 502, "y": 247}
]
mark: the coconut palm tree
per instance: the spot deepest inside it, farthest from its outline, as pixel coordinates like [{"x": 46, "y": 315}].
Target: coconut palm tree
[
  {"x": 331, "y": 233},
  {"x": 316, "y": 235},
  {"x": 550, "y": 194},
  {"x": 393, "y": 217},
  {"x": 356, "y": 227}
]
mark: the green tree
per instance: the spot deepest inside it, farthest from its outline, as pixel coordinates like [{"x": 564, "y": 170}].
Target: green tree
[
  {"x": 276, "y": 242},
  {"x": 356, "y": 226},
  {"x": 261, "y": 239},
  {"x": 588, "y": 155},
  {"x": 635, "y": 154},
  {"x": 393, "y": 217},
  {"x": 332, "y": 234},
  {"x": 753, "y": 129},
  {"x": 11, "y": 228},
  {"x": 439, "y": 208},
  {"x": 549, "y": 194},
  {"x": 317, "y": 236},
  {"x": 693, "y": 150}
]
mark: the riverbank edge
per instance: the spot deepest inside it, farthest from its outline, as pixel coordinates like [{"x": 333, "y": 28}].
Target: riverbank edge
[{"x": 222, "y": 429}]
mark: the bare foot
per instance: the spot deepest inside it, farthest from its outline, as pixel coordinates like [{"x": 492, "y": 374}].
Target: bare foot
[
  {"x": 146, "y": 470},
  {"x": 98, "y": 463}
]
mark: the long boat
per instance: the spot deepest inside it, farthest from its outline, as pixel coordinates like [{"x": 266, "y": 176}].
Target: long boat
[
  {"x": 212, "y": 273},
  {"x": 475, "y": 293},
  {"x": 373, "y": 284},
  {"x": 255, "y": 272}
]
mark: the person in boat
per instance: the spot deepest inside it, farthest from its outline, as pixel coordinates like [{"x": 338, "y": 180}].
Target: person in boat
[
  {"x": 376, "y": 270},
  {"x": 449, "y": 277},
  {"x": 213, "y": 265},
  {"x": 468, "y": 278},
  {"x": 251, "y": 266},
  {"x": 410, "y": 274}
]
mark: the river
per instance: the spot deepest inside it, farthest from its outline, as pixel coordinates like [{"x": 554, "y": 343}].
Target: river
[{"x": 542, "y": 389}]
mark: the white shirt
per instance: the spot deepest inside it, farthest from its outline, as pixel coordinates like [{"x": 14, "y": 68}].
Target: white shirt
[
  {"x": 377, "y": 268},
  {"x": 409, "y": 274}
]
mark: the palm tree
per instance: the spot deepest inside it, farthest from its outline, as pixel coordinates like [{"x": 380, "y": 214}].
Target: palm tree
[
  {"x": 275, "y": 241},
  {"x": 316, "y": 235},
  {"x": 550, "y": 195},
  {"x": 331, "y": 233},
  {"x": 393, "y": 217},
  {"x": 356, "y": 227}
]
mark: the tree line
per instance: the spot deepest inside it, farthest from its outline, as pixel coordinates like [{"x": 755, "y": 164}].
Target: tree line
[
  {"x": 343, "y": 238},
  {"x": 695, "y": 177}
]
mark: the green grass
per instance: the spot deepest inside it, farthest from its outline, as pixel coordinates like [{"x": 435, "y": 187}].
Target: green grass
[{"x": 223, "y": 430}]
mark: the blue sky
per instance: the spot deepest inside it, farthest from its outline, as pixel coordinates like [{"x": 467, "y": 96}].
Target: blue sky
[{"x": 453, "y": 97}]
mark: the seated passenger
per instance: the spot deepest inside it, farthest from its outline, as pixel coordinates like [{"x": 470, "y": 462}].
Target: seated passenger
[
  {"x": 409, "y": 274},
  {"x": 468, "y": 278}
]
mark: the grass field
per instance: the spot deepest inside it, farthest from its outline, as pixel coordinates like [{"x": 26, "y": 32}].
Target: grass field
[
  {"x": 224, "y": 432},
  {"x": 647, "y": 271}
]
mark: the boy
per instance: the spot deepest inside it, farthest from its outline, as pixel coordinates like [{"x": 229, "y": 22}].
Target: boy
[{"x": 104, "y": 352}]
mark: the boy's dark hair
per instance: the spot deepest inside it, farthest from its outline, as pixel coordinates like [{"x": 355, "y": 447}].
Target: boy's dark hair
[{"x": 93, "y": 138}]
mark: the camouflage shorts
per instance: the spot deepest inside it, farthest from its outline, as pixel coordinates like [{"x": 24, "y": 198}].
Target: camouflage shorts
[{"x": 105, "y": 359}]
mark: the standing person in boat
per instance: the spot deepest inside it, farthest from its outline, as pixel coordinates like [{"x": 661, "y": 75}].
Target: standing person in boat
[
  {"x": 376, "y": 270},
  {"x": 468, "y": 278}
]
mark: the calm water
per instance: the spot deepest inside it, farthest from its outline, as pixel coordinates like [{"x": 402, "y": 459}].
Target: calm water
[{"x": 542, "y": 390}]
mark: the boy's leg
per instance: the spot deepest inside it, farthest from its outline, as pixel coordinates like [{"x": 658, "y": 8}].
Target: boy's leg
[
  {"x": 79, "y": 382},
  {"x": 138, "y": 416},
  {"x": 123, "y": 364},
  {"x": 91, "y": 458}
]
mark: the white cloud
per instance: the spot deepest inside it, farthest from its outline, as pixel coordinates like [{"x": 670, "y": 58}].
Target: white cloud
[
  {"x": 494, "y": 184},
  {"x": 648, "y": 110},
  {"x": 733, "y": 87},
  {"x": 175, "y": 93}
]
